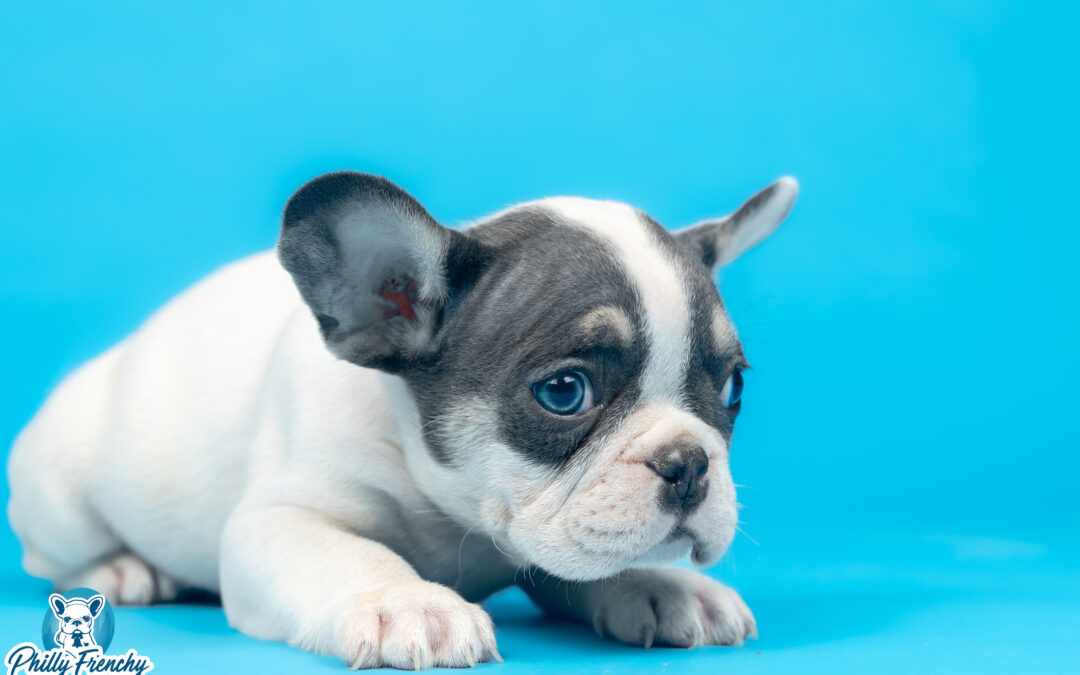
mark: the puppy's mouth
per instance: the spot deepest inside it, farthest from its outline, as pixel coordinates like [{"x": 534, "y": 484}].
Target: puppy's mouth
[
  {"x": 700, "y": 551},
  {"x": 680, "y": 531}
]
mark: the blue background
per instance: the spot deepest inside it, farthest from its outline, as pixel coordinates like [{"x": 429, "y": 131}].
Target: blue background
[{"x": 908, "y": 438}]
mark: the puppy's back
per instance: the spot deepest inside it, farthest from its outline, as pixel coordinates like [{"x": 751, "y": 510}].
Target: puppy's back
[{"x": 165, "y": 414}]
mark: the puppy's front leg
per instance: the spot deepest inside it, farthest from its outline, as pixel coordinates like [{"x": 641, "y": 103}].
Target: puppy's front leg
[
  {"x": 295, "y": 575},
  {"x": 671, "y": 606}
]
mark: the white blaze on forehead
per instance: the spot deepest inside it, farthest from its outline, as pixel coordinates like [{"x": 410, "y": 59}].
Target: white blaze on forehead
[{"x": 654, "y": 274}]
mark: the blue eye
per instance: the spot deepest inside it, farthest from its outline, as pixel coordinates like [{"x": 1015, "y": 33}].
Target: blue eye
[
  {"x": 732, "y": 391},
  {"x": 566, "y": 393}
]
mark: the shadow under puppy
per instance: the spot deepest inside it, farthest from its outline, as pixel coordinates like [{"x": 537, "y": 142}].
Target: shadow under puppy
[{"x": 354, "y": 441}]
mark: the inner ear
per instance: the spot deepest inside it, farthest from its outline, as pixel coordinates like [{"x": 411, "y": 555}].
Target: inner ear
[{"x": 373, "y": 265}]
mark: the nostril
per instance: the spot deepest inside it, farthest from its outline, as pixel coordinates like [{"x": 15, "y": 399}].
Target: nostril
[
  {"x": 665, "y": 471},
  {"x": 702, "y": 467},
  {"x": 667, "y": 467}
]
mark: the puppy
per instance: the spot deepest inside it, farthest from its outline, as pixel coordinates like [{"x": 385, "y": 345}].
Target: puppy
[
  {"x": 76, "y": 617},
  {"x": 356, "y": 440}
]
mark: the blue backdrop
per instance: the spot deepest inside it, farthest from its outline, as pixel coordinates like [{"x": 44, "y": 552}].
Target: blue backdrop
[{"x": 908, "y": 434}]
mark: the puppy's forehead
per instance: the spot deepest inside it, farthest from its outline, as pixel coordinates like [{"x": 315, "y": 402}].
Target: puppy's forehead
[
  {"x": 655, "y": 271},
  {"x": 548, "y": 273},
  {"x": 589, "y": 253}
]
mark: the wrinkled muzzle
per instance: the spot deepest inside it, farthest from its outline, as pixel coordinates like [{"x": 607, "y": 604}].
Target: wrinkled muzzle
[{"x": 657, "y": 489}]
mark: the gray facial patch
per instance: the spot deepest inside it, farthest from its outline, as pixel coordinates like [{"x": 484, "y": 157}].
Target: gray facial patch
[{"x": 522, "y": 322}]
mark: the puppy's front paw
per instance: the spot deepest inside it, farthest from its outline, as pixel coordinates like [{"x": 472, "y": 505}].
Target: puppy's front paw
[
  {"x": 675, "y": 607},
  {"x": 416, "y": 625}
]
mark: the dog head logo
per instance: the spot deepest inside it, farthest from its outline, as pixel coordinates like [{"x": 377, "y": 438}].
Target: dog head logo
[
  {"x": 76, "y": 620},
  {"x": 75, "y": 633}
]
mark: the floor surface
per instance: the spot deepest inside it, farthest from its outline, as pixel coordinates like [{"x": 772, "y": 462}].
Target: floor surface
[{"x": 880, "y": 604}]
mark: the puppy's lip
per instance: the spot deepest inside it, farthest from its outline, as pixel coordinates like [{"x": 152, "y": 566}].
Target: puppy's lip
[
  {"x": 702, "y": 550},
  {"x": 702, "y": 553},
  {"x": 679, "y": 531}
]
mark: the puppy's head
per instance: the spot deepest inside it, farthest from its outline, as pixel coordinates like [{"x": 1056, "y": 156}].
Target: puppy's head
[
  {"x": 76, "y": 614},
  {"x": 573, "y": 377}
]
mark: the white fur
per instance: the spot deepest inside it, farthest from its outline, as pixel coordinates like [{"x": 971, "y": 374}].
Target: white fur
[{"x": 176, "y": 436}]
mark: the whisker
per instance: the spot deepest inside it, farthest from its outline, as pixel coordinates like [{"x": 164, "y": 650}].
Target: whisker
[
  {"x": 754, "y": 303},
  {"x": 743, "y": 533},
  {"x": 461, "y": 547}
]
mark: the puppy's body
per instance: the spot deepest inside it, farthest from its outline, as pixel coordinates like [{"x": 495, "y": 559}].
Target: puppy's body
[
  {"x": 225, "y": 447},
  {"x": 172, "y": 426}
]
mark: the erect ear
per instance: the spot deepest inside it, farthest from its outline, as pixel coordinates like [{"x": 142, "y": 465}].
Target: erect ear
[
  {"x": 58, "y": 603},
  {"x": 95, "y": 603},
  {"x": 373, "y": 265},
  {"x": 718, "y": 242}
]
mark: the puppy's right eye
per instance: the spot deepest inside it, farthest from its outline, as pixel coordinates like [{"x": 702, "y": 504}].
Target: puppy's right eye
[
  {"x": 567, "y": 393},
  {"x": 731, "y": 394}
]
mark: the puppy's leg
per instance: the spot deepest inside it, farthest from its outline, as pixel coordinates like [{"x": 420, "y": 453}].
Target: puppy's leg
[
  {"x": 295, "y": 575},
  {"x": 124, "y": 579},
  {"x": 670, "y": 606}
]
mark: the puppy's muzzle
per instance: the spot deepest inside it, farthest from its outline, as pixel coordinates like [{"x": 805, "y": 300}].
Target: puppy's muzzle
[{"x": 683, "y": 466}]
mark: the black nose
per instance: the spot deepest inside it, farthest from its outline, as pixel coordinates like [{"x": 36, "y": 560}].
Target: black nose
[{"x": 683, "y": 466}]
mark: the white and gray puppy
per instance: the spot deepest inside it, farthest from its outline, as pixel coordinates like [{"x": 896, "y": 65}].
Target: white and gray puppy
[{"x": 417, "y": 417}]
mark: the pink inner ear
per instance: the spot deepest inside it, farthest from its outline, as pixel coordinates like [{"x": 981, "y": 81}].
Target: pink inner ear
[{"x": 401, "y": 291}]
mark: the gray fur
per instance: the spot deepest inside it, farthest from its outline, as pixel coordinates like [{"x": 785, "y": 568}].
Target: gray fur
[{"x": 509, "y": 330}]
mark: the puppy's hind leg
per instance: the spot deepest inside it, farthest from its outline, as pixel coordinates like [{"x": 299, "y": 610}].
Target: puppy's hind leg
[
  {"x": 60, "y": 534},
  {"x": 124, "y": 579},
  {"x": 50, "y": 510}
]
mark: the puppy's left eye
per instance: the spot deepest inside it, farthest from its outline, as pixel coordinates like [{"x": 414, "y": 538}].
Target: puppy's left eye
[
  {"x": 731, "y": 394},
  {"x": 86, "y": 618},
  {"x": 567, "y": 393}
]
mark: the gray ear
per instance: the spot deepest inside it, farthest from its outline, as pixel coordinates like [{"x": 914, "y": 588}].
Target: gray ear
[
  {"x": 373, "y": 265},
  {"x": 718, "y": 242}
]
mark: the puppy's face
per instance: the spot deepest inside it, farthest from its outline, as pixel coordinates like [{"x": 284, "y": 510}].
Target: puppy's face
[{"x": 575, "y": 377}]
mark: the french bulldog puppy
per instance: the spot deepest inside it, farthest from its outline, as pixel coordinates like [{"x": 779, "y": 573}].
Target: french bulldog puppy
[
  {"x": 354, "y": 441},
  {"x": 76, "y": 617}
]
